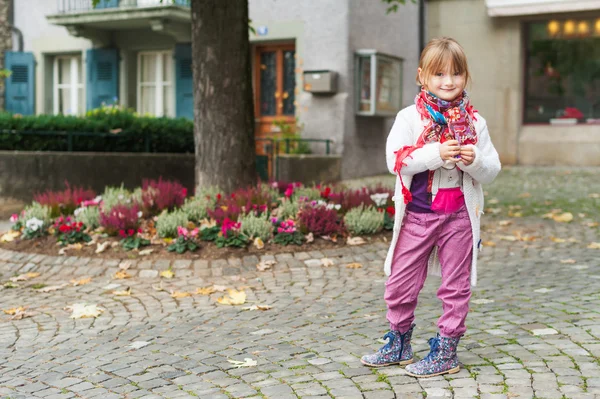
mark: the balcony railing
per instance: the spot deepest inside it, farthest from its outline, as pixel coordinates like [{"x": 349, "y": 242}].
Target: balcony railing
[{"x": 69, "y": 6}]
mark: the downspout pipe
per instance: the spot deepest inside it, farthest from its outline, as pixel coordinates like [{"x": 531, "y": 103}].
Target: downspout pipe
[{"x": 11, "y": 23}]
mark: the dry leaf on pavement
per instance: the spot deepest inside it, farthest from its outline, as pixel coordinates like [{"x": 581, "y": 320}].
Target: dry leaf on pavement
[
  {"x": 488, "y": 243},
  {"x": 220, "y": 288},
  {"x": 568, "y": 261},
  {"x": 168, "y": 274},
  {"x": 24, "y": 277},
  {"x": 246, "y": 363},
  {"x": 159, "y": 287},
  {"x": 259, "y": 243},
  {"x": 102, "y": 247},
  {"x": 594, "y": 245},
  {"x": 353, "y": 266},
  {"x": 82, "y": 311},
  {"x": 355, "y": 241},
  {"x": 563, "y": 217},
  {"x": 52, "y": 288},
  {"x": 326, "y": 262},
  {"x": 146, "y": 251},
  {"x": 125, "y": 265},
  {"x": 205, "y": 291},
  {"x": 309, "y": 238},
  {"x": 82, "y": 281},
  {"x": 265, "y": 264},
  {"x": 234, "y": 297},
  {"x": 126, "y": 292},
  {"x": 14, "y": 311},
  {"x": 9, "y": 236},
  {"x": 257, "y": 307},
  {"x": 504, "y": 222},
  {"x": 557, "y": 239},
  {"x": 180, "y": 294},
  {"x": 121, "y": 274}
]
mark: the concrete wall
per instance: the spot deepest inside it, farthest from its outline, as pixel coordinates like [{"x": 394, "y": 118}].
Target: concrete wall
[
  {"x": 309, "y": 169},
  {"x": 493, "y": 47},
  {"x": 32, "y": 172}
]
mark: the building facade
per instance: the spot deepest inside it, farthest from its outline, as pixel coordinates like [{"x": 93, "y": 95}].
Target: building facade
[{"x": 536, "y": 74}]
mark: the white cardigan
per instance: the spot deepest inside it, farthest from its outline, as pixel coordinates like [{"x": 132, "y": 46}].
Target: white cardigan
[{"x": 407, "y": 128}]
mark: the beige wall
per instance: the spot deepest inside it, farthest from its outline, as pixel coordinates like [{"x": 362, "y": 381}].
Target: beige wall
[{"x": 493, "y": 47}]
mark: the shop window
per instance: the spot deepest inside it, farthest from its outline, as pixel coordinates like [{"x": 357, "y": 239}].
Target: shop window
[
  {"x": 562, "y": 82},
  {"x": 379, "y": 83}
]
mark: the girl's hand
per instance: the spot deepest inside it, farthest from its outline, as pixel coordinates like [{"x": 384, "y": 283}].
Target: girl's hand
[
  {"x": 467, "y": 155},
  {"x": 449, "y": 150}
]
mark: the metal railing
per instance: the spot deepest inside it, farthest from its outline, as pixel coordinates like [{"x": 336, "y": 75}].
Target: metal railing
[{"x": 68, "y": 6}]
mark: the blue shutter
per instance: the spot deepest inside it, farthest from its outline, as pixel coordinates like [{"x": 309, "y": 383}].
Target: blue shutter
[
  {"x": 182, "y": 2},
  {"x": 102, "y": 77},
  {"x": 20, "y": 85},
  {"x": 184, "y": 84},
  {"x": 107, "y": 4}
]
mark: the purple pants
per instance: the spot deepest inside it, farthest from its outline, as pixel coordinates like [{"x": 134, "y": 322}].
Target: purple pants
[{"x": 420, "y": 233}]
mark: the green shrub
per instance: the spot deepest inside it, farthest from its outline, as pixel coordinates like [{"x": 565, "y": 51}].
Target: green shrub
[
  {"x": 114, "y": 196},
  {"x": 38, "y": 211},
  {"x": 195, "y": 208},
  {"x": 288, "y": 209},
  {"x": 167, "y": 223},
  {"x": 89, "y": 216},
  {"x": 312, "y": 193},
  {"x": 361, "y": 220},
  {"x": 257, "y": 226},
  {"x": 118, "y": 130}
]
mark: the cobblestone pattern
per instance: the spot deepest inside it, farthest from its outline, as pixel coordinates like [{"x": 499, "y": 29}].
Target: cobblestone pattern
[{"x": 533, "y": 330}]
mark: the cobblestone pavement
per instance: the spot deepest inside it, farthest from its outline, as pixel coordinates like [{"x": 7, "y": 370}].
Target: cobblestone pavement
[{"x": 534, "y": 327}]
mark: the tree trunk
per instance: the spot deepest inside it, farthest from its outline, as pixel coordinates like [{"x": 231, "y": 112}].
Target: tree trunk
[{"x": 223, "y": 103}]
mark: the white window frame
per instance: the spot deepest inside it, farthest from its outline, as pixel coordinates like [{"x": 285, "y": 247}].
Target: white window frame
[
  {"x": 76, "y": 61},
  {"x": 159, "y": 83}
]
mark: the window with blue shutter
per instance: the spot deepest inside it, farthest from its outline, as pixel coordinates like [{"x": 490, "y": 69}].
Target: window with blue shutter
[
  {"x": 20, "y": 85},
  {"x": 184, "y": 84},
  {"x": 102, "y": 77},
  {"x": 183, "y": 2},
  {"x": 107, "y": 4}
]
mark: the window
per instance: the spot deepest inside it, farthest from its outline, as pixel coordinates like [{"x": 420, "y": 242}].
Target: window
[
  {"x": 68, "y": 95},
  {"x": 563, "y": 72},
  {"x": 155, "y": 84},
  {"x": 379, "y": 83}
]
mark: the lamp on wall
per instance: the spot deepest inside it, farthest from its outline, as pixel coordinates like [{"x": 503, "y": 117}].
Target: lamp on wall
[
  {"x": 583, "y": 28},
  {"x": 597, "y": 26},
  {"x": 553, "y": 28},
  {"x": 569, "y": 28}
]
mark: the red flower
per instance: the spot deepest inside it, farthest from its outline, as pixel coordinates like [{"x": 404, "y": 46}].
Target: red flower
[
  {"x": 325, "y": 193},
  {"x": 218, "y": 197},
  {"x": 64, "y": 228},
  {"x": 391, "y": 210},
  {"x": 130, "y": 232},
  {"x": 184, "y": 192},
  {"x": 122, "y": 233},
  {"x": 140, "y": 231}
]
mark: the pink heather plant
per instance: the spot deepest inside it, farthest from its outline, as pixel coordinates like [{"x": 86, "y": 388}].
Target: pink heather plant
[
  {"x": 162, "y": 194},
  {"x": 321, "y": 221},
  {"x": 64, "y": 202},
  {"x": 120, "y": 217}
]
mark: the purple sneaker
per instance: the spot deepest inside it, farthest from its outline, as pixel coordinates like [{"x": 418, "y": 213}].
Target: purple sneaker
[
  {"x": 441, "y": 359},
  {"x": 396, "y": 351}
]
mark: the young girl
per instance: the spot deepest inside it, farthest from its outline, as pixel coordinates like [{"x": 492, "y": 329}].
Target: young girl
[{"x": 440, "y": 148}]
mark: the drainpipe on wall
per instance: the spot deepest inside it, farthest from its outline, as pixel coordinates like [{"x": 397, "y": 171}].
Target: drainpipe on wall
[
  {"x": 421, "y": 26},
  {"x": 11, "y": 23}
]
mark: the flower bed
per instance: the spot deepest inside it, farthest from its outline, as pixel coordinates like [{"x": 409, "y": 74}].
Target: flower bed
[{"x": 159, "y": 220}]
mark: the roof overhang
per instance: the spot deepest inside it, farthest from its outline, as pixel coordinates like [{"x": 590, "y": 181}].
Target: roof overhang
[{"x": 508, "y": 8}]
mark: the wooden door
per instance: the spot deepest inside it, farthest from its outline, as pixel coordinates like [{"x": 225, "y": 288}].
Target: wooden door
[{"x": 275, "y": 99}]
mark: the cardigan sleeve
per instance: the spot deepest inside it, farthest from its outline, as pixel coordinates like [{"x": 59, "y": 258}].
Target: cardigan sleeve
[
  {"x": 421, "y": 159},
  {"x": 486, "y": 165}
]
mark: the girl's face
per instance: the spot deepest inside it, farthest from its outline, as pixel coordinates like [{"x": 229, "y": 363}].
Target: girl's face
[{"x": 446, "y": 84}]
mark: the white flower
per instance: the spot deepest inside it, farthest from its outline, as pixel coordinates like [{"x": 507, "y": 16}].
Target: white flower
[
  {"x": 120, "y": 196},
  {"x": 98, "y": 199},
  {"x": 380, "y": 199},
  {"x": 78, "y": 211},
  {"x": 139, "y": 214},
  {"x": 34, "y": 224},
  {"x": 321, "y": 203},
  {"x": 337, "y": 207}
]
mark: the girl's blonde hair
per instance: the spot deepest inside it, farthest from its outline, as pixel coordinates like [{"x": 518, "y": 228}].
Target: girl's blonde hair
[{"x": 438, "y": 54}]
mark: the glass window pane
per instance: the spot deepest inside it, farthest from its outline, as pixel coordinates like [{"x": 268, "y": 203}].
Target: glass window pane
[
  {"x": 268, "y": 83},
  {"x": 148, "y": 100},
  {"x": 64, "y": 102},
  {"x": 81, "y": 99},
  {"x": 167, "y": 67},
  {"x": 563, "y": 72},
  {"x": 64, "y": 71},
  {"x": 388, "y": 85},
  {"x": 168, "y": 101},
  {"x": 364, "y": 70},
  {"x": 148, "y": 67},
  {"x": 289, "y": 82}
]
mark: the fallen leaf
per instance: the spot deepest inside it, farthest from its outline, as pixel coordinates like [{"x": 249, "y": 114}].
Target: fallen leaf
[
  {"x": 508, "y": 238},
  {"x": 353, "y": 266},
  {"x": 82, "y": 311},
  {"x": 52, "y": 288},
  {"x": 205, "y": 291},
  {"x": 125, "y": 265},
  {"x": 326, "y": 262},
  {"x": 180, "y": 294},
  {"x": 592, "y": 224},
  {"x": 24, "y": 277},
  {"x": 168, "y": 274},
  {"x": 234, "y": 298},
  {"x": 265, "y": 264},
  {"x": 121, "y": 274},
  {"x": 159, "y": 287},
  {"x": 493, "y": 201},
  {"x": 257, "y": 307},
  {"x": 14, "y": 311},
  {"x": 568, "y": 261},
  {"x": 563, "y": 218},
  {"x": 205, "y": 223},
  {"x": 89, "y": 244},
  {"x": 488, "y": 244},
  {"x": 504, "y": 222},
  {"x": 126, "y": 292},
  {"x": 83, "y": 281},
  {"x": 525, "y": 195},
  {"x": 259, "y": 243},
  {"x": 102, "y": 247},
  {"x": 515, "y": 214},
  {"x": 309, "y": 238},
  {"x": 355, "y": 241},
  {"x": 594, "y": 245},
  {"x": 220, "y": 288},
  {"x": 559, "y": 240},
  {"x": 114, "y": 244},
  {"x": 246, "y": 363},
  {"x": 9, "y": 236},
  {"x": 594, "y": 195},
  {"x": 146, "y": 251},
  {"x": 77, "y": 247}
]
